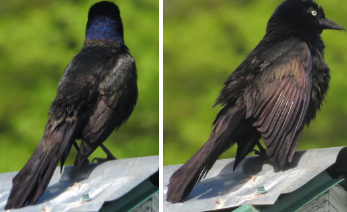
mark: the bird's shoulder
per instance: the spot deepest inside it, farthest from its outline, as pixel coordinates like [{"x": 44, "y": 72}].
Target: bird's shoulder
[
  {"x": 287, "y": 58},
  {"x": 120, "y": 73},
  {"x": 94, "y": 64},
  {"x": 280, "y": 52},
  {"x": 96, "y": 60}
]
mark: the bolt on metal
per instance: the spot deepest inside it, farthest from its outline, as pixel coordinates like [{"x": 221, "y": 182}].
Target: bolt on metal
[
  {"x": 85, "y": 197},
  {"x": 261, "y": 190}
]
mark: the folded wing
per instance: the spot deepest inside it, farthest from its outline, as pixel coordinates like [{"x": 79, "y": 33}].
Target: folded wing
[{"x": 278, "y": 99}]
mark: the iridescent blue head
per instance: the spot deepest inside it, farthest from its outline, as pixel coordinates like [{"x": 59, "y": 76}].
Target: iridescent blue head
[{"x": 104, "y": 24}]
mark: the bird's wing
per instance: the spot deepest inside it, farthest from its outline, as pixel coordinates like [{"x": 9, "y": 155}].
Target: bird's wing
[
  {"x": 117, "y": 99},
  {"x": 277, "y": 99}
]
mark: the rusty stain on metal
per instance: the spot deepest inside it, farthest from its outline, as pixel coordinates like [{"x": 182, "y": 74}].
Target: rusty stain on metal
[{"x": 76, "y": 185}]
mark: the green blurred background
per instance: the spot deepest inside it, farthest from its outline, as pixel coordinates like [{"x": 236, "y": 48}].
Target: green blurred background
[
  {"x": 37, "y": 41},
  {"x": 204, "y": 42}
]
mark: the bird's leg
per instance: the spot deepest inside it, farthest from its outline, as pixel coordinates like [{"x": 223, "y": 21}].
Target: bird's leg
[
  {"x": 262, "y": 150},
  {"x": 74, "y": 143},
  {"x": 108, "y": 153}
]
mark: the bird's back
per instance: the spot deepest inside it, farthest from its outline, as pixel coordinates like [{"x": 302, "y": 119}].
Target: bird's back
[{"x": 86, "y": 72}]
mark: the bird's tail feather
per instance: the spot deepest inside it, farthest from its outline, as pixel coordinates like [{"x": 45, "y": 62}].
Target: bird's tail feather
[
  {"x": 184, "y": 179},
  {"x": 31, "y": 182}
]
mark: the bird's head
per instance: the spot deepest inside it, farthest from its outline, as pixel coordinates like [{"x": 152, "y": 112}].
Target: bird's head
[
  {"x": 300, "y": 16},
  {"x": 104, "y": 23}
]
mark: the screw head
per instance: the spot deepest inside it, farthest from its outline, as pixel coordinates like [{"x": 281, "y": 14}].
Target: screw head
[
  {"x": 261, "y": 190},
  {"x": 85, "y": 197}
]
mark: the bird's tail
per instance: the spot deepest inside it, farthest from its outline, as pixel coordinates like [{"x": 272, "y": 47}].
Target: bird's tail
[
  {"x": 31, "y": 182},
  {"x": 184, "y": 179}
]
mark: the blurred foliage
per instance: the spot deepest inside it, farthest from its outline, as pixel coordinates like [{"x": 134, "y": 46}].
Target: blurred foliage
[
  {"x": 204, "y": 42},
  {"x": 37, "y": 41}
]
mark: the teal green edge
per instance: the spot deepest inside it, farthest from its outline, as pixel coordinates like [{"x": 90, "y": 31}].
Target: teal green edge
[
  {"x": 297, "y": 199},
  {"x": 132, "y": 199}
]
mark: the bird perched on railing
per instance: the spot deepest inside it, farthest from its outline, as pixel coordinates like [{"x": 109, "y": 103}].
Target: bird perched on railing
[
  {"x": 275, "y": 91},
  {"x": 96, "y": 95}
]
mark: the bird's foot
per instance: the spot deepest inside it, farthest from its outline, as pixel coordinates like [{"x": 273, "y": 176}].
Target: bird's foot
[
  {"x": 260, "y": 153},
  {"x": 108, "y": 153},
  {"x": 102, "y": 160},
  {"x": 85, "y": 162}
]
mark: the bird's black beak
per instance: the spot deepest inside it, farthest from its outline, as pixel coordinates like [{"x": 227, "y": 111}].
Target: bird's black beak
[{"x": 325, "y": 23}]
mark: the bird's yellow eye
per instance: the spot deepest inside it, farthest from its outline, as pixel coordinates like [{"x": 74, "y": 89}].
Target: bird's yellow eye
[{"x": 314, "y": 13}]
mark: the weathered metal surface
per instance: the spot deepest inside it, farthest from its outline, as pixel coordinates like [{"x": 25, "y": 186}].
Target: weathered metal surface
[
  {"x": 222, "y": 188},
  {"x": 103, "y": 182}
]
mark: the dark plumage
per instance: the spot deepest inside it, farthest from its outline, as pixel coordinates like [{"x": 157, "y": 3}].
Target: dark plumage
[
  {"x": 275, "y": 91},
  {"x": 96, "y": 94}
]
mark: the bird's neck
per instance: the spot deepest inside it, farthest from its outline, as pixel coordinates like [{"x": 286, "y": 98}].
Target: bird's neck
[
  {"x": 104, "y": 31},
  {"x": 313, "y": 40}
]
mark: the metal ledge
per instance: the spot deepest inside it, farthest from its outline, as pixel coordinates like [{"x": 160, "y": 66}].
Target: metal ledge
[
  {"x": 222, "y": 188},
  {"x": 106, "y": 182}
]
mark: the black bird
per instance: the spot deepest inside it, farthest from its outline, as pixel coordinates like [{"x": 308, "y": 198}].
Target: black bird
[
  {"x": 96, "y": 95},
  {"x": 275, "y": 91}
]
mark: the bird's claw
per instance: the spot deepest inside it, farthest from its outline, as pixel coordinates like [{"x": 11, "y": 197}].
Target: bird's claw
[
  {"x": 85, "y": 162},
  {"x": 102, "y": 160},
  {"x": 260, "y": 153}
]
